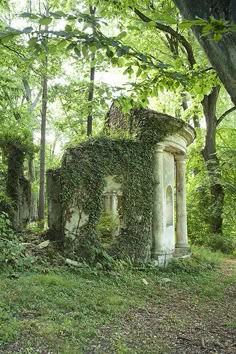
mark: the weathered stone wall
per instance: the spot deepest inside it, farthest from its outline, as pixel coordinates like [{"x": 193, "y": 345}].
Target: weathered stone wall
[
  {"x": 55, "y": 211},
  {"x": 111, "y": 167}
]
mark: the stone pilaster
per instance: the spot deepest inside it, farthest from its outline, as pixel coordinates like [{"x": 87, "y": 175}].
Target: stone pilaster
[
  {"x": 182, "y": 247},
  {"x": 158, "y": 250}
]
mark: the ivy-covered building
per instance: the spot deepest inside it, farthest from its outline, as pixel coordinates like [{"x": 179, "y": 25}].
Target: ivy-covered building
[{"x": 124, "y": 193}]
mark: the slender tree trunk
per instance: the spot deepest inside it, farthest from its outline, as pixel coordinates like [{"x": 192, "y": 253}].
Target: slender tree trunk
[
  {"x": 91, "y": 86},
  {"x": 43, "y": 148},
  {"x": 212, "y": 162},
  {"x": 42, "y": 168}
]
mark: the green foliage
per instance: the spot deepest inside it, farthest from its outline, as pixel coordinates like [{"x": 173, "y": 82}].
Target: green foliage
[
  {"x": 6, "y": 204},
  {"x": 107, "y": 227},
  {"x": 201, "y": 260},
  {"x": 224, "y": 243},
  {"x": 12, "y": 252},
  {"x": 198, "y": 193}
]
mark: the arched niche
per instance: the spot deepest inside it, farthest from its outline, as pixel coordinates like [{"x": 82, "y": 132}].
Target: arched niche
[{"x": 169, "y": 206}]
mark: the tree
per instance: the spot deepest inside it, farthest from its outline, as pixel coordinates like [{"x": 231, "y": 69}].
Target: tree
[
  {"x": 221, "y": 53},
  {"x": 177, "y": 42}
]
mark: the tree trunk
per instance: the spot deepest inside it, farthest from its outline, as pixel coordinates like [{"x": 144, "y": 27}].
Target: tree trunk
[
  {"x": 222, "y": 54},
  {"x": 91, "y": 85},
  {"x": 90, "y": 99},
  {"x": 43, "y": 149},
  {"x": 42, "y": 169},
  {"x": 212, "y": 162}
]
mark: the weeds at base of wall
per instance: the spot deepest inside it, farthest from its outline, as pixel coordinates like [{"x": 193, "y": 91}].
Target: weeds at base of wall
[{"x": 12, "y": 256}]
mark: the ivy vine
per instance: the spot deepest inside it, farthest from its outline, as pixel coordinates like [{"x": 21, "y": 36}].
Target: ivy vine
[{"x": 83, "y": 173}]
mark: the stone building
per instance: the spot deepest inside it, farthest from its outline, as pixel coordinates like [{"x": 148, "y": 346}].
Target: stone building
[{"x": 160, "y": 230}]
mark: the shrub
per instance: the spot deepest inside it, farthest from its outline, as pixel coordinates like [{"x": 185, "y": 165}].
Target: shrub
[
  {"x": 12, "y": 252},
  {"x": 223, "y": 243},
  {"x": 6, "y": 204},
  {"x": 202, "y": 260}
]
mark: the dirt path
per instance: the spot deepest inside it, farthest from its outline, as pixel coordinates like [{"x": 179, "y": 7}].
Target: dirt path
[{"x": 181, "y": 324}]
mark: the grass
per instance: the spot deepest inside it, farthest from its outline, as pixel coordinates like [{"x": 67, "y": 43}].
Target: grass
[{"x": 63, "y": 310}]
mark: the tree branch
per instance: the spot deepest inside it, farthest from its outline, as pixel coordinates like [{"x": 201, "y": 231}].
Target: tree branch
[
  {"x": 187, "y": 46},
  {"x": 35, "y": 102},
  {"x": 22, "y": 56},
  {"x": 219, "y": 120}
]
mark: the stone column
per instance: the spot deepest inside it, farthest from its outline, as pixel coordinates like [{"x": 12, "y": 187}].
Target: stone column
[
  {"x": 181, "y": 247},
  {"x": 158, "y": 251},
  {"x": 107, "y": 203},
  {"x": 114, "y": 204}
]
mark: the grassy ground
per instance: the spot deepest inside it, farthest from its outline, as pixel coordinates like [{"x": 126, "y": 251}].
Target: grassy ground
[{"x": 190, "y": 308}]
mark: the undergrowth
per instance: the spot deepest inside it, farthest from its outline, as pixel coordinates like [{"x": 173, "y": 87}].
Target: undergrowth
[
  {"x": 12, "y": 251},
  {"x": 61, "y": 308}
]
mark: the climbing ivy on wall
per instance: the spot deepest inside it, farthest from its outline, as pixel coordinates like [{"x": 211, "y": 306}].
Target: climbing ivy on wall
[{"x": 83, "y": 173}]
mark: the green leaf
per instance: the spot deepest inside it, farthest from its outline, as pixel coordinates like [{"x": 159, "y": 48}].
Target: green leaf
[
  {"x": 32, "y": 41},
  {"x": 6, "y": 38},
  {"x": 151, "y": 24},
  {"x": 28, "y": 30},
  {"x": 121, "y": 62},
  {"x": 85, "y": 51},
  {"x": 109, "y": 53},
  {"x": 29, "y": 15},
  {"x": 77, "y": 51},
  {"x": 45, "y": 21},
  {"x": 58, "y": 14},
  {"x": 93, "y": 48},
  {"x": 62, "y": 44},
  {"x": 122, "y": 35},
  {"x": 71, "y": 46},
  {"x": 114, "y": 61},
  {"x": 185, "y": 25},
  {"x": 68, "y": 28},
  {"x": 217, "y": 37}
]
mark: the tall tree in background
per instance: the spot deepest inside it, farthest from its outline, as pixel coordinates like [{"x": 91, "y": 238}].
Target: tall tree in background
[
  {"x": 41, "y": 209},
  {"x": 92, "y": 10}
]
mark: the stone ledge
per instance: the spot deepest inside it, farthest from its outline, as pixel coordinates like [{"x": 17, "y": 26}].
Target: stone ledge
[{"x": 182, "y": 252}]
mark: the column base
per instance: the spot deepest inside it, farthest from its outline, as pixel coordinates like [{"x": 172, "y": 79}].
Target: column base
[
  {"x": 182, "y": 252},
  {"x": 161, "y": 260}
]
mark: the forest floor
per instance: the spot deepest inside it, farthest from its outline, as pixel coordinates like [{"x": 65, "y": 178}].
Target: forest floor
[{"x": 189, "y": 308}]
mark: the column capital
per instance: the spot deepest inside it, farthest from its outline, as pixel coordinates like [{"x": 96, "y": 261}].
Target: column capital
[
  {"x": 180, "y": 158},
  {"x": 159, "y": 147}
]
